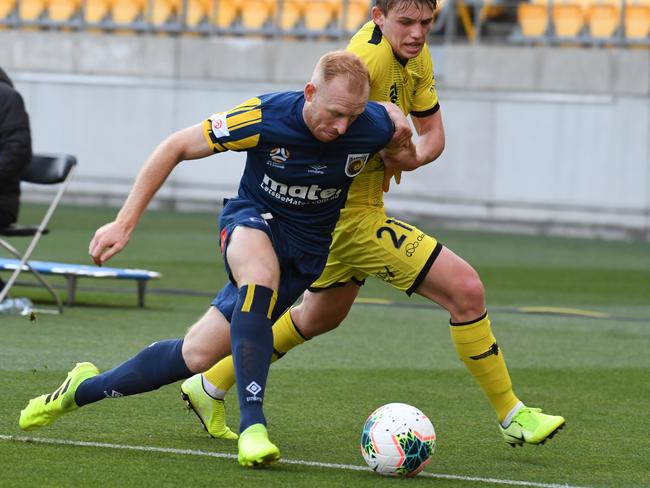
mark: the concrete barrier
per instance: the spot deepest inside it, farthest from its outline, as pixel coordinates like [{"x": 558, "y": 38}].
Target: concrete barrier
[{"x": 539, "y": 139}]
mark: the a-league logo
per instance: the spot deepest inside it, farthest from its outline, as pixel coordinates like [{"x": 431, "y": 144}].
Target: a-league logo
[{"x": 279, "y": 154}]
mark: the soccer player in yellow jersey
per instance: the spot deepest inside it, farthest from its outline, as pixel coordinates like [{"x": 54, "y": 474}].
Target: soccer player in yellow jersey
[{"x": 368, "y": 243}]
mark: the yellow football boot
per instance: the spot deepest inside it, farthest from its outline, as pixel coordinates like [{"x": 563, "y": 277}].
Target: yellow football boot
[
  {"x": 255, "y": 448},
  {"x": 45, "y": 409}
]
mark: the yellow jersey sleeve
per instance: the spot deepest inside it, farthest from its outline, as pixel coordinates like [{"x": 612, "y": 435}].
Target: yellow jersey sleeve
[
  {"x": 238, "y": 129},
  {"x": 425, "y": 98}
]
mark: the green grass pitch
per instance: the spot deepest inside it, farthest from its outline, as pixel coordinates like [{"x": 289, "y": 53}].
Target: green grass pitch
[{"x": 590, "y": 363}]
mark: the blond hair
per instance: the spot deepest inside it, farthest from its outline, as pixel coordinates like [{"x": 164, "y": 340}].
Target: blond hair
[
  {"x": 387, "y": 5},
  {"x": 342, "y": 64}
]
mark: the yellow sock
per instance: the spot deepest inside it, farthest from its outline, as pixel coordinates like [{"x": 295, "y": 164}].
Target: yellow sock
[
  {"x": 285, "y": 337},
  {"x": 221, "y": 376},
  {"x": 478, "y": 349}
]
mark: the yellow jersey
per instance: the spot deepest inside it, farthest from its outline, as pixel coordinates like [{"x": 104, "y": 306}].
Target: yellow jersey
[{"x": 410, "y": 85}]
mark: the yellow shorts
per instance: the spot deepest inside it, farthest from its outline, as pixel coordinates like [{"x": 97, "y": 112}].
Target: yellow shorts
[{"x": 368, "y": 243}]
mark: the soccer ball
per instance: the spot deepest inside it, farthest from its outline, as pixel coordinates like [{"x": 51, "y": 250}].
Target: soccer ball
[{"x": 397, "y": 440}]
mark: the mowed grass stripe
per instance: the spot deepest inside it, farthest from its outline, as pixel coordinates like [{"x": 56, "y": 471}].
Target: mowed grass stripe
[{"x": 313, "y": 464}]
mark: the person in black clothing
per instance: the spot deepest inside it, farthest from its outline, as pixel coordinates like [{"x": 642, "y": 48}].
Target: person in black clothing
[{"x": 15, "y": 149}]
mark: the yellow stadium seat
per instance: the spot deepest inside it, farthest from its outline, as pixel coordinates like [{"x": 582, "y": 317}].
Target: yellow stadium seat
[
  {"x": 358, "y": 13},
  {"x": 584, "y": 4},
  {"x": 96, "y": 10},
  {"x": 320, "y": 13},
  {"x": 533, "y": 19},
  {"x": 637, "y": 21},
  {"x": 198, "y": 11},
  {"x": 291, "y": 13},
  {"x": 6, "y": 8},
  {"x": 568, "y": 18},
  {"x": 162, "y": 11},
  {"x": 227, "y": 12},
  {"x": 256, "y": 13},
  {"x": 31, "y": 9},
  {"x": 62, "y": 10},
  {"x": 603, "y": 20},
  {"x": 127, "y": 11}
]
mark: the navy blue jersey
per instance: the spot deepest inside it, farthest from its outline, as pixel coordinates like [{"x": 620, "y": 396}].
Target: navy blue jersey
[{"x": 301, "y": 181}]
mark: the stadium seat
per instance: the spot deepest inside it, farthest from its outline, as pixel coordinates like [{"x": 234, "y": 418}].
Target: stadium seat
[
  {"x": 358, "y": 13},
  {"x": 6, "y": 8},
  {"x": 604, "y": 19},
  {"x": 127, "y": 11},
  {"x": 162, "y": 11},
  {"x": 198, "y": 11},
  {"x": 96, "y": 10},
  {"x": 533, "y": 19},
  {"x": 31, "y": 9},
  {"x": 319, "y": 14},
  {"x": 62, "y": 10},
  {"x": 44, "y": 169},
  {"x": 227, "y": 13},
  {"x": 291, "y": 12},
  {"x": 637, "y": 21},
  {"x": 256, "y": 13},
  {"x": 568, "y": 19}
]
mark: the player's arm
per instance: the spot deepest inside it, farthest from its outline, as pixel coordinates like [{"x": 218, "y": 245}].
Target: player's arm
[
  {"x": 426, "y": 117},
  {"x": 409, "y": 156},
  {"x": 429, "y": 145},
  {"x": 431, "y": 141},
  {"x": 403, "y": 132},
  {"x": 400, "y": 151},
  {"x": 189, "y": 143}
]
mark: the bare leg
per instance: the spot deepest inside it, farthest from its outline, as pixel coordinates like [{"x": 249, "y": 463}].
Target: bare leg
[
  {"x": 455, "y": 285},
  {"x": 207, "y": 341},
  {"x": 322, "y": 311}
]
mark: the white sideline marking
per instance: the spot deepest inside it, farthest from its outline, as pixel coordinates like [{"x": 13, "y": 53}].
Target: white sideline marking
[{"x": 315, "y": 464}]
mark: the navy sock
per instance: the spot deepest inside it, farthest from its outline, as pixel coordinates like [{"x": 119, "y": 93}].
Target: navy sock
[
  {"x": 252, "y": 347},
  {"x": 159, "y": 364}
]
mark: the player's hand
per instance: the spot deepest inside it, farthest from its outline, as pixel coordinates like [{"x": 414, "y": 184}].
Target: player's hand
[
  {"x": 388, "y": 174},
  {"x": 403, "y": 157},
  {"x": 108, "y": 240},
  {"x": 397, "y": 159},
  {"x": 402, "y": 134}
]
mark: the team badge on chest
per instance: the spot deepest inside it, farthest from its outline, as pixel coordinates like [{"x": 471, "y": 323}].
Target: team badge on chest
[{"x": 355, "y": 164}]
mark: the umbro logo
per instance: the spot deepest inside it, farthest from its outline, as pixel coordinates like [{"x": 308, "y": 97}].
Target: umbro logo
[
  {"x": 317, "y": 169},
  {"x": 113, "y": 394},
  {"x": 493, "y": 351},
  {"x": 253, "y": 388}
]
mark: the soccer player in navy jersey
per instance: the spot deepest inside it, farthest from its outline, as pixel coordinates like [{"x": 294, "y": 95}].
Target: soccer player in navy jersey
[
  {"x": 303, "y": 150},
  {"x": 369, "y": 243}
]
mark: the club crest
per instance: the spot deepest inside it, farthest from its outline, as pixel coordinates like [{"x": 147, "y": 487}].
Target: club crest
[{"x": 355, "y": 164}]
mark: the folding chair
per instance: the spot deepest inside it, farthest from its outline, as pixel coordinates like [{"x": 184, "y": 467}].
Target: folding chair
[{"x": 44, "y": 169}]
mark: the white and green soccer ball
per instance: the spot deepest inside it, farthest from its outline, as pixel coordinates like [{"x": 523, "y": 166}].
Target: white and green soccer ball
[{"x": 397, "y": 440}]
